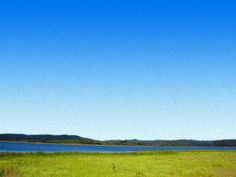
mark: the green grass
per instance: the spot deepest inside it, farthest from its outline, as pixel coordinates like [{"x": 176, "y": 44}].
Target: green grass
[{"x": 150, "y": 164}]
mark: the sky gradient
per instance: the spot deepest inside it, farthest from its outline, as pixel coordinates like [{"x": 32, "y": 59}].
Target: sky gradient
[{"x": 119, "y": 69}]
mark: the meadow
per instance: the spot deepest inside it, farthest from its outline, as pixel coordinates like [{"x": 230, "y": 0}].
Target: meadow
[{"x": 146, "y": 164}]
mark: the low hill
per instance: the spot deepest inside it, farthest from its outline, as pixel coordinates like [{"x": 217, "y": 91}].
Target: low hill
[
  {"x": 48, "y": 138},
  {"x": 215, "y": 143},
  {"x": 74, "y": 139}
]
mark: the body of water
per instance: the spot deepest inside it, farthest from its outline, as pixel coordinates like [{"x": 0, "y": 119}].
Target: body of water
[{"x": 31, "y": 147}]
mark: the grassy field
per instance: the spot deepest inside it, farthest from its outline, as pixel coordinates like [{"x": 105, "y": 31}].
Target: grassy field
[{"x": 150, "y": 164}]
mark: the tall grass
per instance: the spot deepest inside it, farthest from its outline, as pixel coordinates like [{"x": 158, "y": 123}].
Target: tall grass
[{"x": 143, "y": 164}]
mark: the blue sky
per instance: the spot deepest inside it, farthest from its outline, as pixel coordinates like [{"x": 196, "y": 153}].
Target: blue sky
[{"x": 119, "y": 69}]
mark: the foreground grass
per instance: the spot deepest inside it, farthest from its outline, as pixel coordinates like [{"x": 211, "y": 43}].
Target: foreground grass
[{"x": 150, "y": 164}]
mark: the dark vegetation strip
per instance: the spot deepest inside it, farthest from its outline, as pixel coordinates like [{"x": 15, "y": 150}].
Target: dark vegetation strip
[{"x": 73, "y": 139}]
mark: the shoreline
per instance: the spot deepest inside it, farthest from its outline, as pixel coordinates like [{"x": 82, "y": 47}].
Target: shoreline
[{"x": 78, "y": 144}]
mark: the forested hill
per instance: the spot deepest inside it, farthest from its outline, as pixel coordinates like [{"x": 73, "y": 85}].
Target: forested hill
[
  {"x": 73, "y": 139},
  {"x": 47, "y": 138}
]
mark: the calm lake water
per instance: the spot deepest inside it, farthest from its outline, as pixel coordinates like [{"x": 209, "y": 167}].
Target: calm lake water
[{"x": 30, "y": 147}]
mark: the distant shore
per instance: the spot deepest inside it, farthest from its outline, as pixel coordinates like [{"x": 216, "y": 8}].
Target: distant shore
[
  {"x": 79, "y": 144},
  {"x": 83, "y": 141}
]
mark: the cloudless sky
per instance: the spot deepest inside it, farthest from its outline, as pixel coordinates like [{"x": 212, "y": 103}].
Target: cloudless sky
[{"x": 119, "y": 69}]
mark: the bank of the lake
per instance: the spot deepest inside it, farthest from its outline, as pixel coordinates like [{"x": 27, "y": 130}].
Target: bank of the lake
[{"x": 139, "y": 164}]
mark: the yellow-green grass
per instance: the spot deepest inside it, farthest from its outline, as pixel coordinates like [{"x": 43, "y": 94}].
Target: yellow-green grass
[{"x": 148, "y": 164}]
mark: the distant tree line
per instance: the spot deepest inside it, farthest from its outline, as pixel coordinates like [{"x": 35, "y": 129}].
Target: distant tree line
[
  {"x": 73, "y": 139},
  {"x": 216, "y": 143}
]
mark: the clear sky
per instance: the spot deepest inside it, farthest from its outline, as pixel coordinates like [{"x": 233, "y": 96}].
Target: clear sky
[{"x": 119, "y": 69}]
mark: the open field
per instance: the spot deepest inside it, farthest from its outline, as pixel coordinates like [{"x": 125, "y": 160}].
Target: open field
[{"x": 148, "y": 164}]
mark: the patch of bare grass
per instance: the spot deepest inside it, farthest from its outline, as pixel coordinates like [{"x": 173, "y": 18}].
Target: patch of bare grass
[
  {"x": 223, "y": 172},
  {"x": 8, "y": 172}
]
